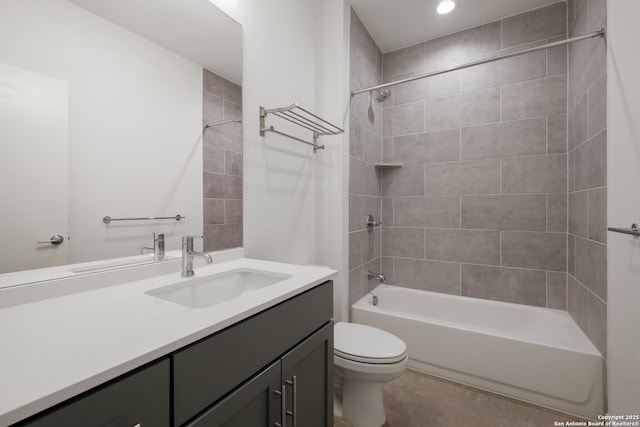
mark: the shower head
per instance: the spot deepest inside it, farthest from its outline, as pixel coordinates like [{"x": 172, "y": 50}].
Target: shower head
[{"x": 382, "y": 95}]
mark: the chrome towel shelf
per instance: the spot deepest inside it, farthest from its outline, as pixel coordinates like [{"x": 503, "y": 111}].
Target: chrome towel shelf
[
  {"x": 301, "y": 117},
  {"x": 107, "y": 219}
]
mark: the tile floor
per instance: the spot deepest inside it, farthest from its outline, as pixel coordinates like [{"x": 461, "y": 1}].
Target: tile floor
[{"x": 420, "y": 400}]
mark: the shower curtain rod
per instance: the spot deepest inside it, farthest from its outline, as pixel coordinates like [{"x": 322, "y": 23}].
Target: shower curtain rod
[{"x": 600, "y": 33}]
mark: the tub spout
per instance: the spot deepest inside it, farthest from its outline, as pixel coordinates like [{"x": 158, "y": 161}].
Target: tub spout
[{"x": 379, "y": 276}]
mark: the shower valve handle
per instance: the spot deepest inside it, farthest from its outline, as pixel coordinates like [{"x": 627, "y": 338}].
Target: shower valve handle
[{"x": 371, "y": 222}]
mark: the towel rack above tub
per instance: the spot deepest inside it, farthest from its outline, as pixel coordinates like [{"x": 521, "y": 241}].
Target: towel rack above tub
[{"x": 301, "y": 117}]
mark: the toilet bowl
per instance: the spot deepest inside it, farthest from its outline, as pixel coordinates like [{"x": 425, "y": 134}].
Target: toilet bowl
[{"x": 365, "y": 358}]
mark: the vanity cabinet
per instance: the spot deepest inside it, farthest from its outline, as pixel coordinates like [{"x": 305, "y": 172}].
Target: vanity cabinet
[
  {"x": 141, "y": 398},
  {"x": 252, "y": 404},
  {"x": 206, "y": 371},
  {"x": 307, "y": 374},
  {"x": 297, "y": 387},
  {"x": 240, "y": 376}
]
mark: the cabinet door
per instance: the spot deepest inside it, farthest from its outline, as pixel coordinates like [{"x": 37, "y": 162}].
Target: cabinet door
[
  {"x": 307, "y": 372},
  {"x": 257, "y": 403},
  {"x": 138, "y": 399},
  {"x": 206, "y": 371}
]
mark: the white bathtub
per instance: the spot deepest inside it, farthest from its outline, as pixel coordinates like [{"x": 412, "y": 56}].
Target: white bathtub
[{"x": 534, "y": 354}]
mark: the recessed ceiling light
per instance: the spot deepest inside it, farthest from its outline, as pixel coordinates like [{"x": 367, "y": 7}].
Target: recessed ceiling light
[{"x": 446, "y": 6}]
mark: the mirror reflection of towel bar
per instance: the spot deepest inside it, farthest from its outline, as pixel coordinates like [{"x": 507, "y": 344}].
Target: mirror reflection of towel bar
[{"x": 107, "y": 219}]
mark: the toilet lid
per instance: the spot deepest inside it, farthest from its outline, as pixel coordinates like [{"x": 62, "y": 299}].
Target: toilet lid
[{"x": 362, "y": 343}]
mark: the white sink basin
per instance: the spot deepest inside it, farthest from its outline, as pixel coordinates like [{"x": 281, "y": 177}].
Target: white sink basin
[{"x": 211, "y": 290}]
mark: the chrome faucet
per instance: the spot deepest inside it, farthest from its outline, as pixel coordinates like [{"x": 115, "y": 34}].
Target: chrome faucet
[
  {"x": 379, "y": 276},
  {"x": 157, "y": 248},
  {"x": 371, "y": 222},
  {"x": 188, "y": 253}
]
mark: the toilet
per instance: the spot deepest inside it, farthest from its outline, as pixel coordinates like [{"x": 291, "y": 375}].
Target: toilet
[{"x": 364, "y": 358}]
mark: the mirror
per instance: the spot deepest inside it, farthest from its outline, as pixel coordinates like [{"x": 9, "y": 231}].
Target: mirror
[{"x": 102, "y": 106}]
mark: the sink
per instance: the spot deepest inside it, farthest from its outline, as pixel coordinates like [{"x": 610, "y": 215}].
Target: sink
[{"x": 215, "y": 289}]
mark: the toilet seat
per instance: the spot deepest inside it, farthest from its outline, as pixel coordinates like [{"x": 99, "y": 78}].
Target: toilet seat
[{"x": 365, "y": 344}]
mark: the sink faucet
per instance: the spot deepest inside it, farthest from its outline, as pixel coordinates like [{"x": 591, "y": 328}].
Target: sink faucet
[
  {"x": 157, "y": 248},
  {"x": 379, "y": 276},
  {"x": 188, "y": 253}
]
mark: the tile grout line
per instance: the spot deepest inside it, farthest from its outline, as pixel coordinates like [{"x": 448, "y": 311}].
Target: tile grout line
[
  {"x": 588, "y": 289},
  {"x": 424, "y": 242},
  {"x": 460, "y": 143},
  {"x": 500, "y": 104},
  {"x": 501, "y": 190},
  {"x": 546, "y": 213},
  {"x": 547, "y": 134},
  {"x": 504, "y": 267},
  {"x": 546, "y": 60},
  {"x": 546, "y": 290},
  {"x": 500, "y": 246}
]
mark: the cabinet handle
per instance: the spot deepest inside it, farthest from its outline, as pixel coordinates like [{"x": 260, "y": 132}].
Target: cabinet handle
[
  {"x": 294, "y": 414},
  {"x": 283, "y": 406}
]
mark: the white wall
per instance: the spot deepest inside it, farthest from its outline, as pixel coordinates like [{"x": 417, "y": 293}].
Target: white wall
[
  {"x": 33, "y": 118},
  {"x": 135, "y": 117},
  {"x": 295, "y": 203},
  {"x": 333, "y": 91},
  {"x": 623, "y": 175},
  {"x": 279, "y": 174}
]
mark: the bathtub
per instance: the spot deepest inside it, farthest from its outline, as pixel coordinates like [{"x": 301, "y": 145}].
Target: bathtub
[{"x": 534, "y": 354}]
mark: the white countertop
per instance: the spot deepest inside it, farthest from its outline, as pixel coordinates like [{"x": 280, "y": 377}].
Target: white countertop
[
  {"x": 21, "y": 287},
  {"x": 56, "y": 348}
]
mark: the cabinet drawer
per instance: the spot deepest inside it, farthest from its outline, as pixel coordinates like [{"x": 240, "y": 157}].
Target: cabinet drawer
[
  {"x": 140, "y": 398},
  {"x": 209, "y": 369}
]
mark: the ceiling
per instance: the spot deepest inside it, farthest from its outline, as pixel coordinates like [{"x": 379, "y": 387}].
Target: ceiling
[
  {"x": 194, "y": 29},
  {"x": 395, "y": 24}
]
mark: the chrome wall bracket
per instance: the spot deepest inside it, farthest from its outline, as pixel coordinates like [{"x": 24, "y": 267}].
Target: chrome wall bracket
[{"x": 634, "y": 230}]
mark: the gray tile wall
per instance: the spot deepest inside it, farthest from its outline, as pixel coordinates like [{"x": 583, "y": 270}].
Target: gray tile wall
[
  {"x": 480, "y": 206},
  {"x": 503, "y": 190},
  {"x": 365, "y": 150},
  {"x": 222, "y": 169},
  {"x": 587, "y": 179}
]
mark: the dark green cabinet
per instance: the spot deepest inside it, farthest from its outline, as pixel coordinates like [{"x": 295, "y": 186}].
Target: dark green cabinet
[
  {"x": 240, "y": 376},
  {"x": 302, "y": 377},
  {"x": 140, "y": 399},
  {"x": 307, "y": 372},
  {"x": 254, "y": 404},
  {"x": 207, "y": 370}
]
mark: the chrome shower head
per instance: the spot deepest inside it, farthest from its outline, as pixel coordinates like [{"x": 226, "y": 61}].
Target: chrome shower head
[{"x": 382, "y": 95}]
